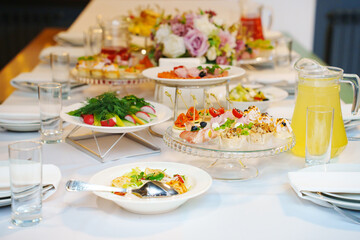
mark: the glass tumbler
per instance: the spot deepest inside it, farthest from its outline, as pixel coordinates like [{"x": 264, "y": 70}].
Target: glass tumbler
[
  {"x": 60, "y": 67},
  {"x": 50, "y": 102},
  {"x": 25, "y": 161},
  {"x": 319, "y": 128}
]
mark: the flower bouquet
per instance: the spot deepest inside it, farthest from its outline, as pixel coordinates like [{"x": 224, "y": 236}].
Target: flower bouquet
[{"x": 202, "y": 35}]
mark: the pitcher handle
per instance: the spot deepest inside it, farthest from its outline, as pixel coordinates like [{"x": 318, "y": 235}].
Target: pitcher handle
[
  {"x": 354, "y": 80},
  {"x": 270, "y": 17}
]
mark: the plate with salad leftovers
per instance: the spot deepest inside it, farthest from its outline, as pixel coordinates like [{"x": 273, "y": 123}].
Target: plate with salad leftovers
[
  {"x": 193, "y": 76},
  {"x": 188, "y": 180},
  {"x": 243, "y": 96},
  {"x": 112, "y": 114}
]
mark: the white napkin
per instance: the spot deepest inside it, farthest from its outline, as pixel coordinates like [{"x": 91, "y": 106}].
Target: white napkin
[
  {"x": 336, "y": 182},
  {"x": 75, "y": 38},
  {"x": 26, "y": 112},
  {"x": 51, "y": 175},
  {"x": 74, "y": 52},
  {"x": 32, "y": 77}
]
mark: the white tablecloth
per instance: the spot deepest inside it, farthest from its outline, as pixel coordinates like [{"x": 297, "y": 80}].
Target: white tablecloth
[{"x": 262, "y": 208}]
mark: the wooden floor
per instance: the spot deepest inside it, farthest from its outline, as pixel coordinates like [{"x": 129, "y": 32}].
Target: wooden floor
[{"x": 26, "y": 60}]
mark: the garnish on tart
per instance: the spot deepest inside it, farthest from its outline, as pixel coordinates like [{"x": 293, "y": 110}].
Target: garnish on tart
[
  {"x": 181, "y": 72},
  {"x": 234, "y": 128},
  {"x": 108, "y": 110}
]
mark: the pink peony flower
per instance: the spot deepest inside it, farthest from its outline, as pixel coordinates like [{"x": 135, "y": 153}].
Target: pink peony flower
[
  {"x": 222, "y": 60},
  {"x": 190, "y": 17},
  {"x": 226, "y": 38},
  {"x": 179, "y": 29},
  {"x": 196, "y": 43}
]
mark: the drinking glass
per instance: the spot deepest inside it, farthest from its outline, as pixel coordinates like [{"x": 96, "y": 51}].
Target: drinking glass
[
  {"x": 283, "y": 49},
  {"x": 50, "y": 102},
  {"x": 25, "y": 164},
  {"x": 60, "y": 66},
  {"x": 319, "y": 127},
  {"x": 93, "y": 40}
]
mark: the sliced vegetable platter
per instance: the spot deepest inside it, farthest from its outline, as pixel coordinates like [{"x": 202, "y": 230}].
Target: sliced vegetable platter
[{"x": 115, "y": 120}]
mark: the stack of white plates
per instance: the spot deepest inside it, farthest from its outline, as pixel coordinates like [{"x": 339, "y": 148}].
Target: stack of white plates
[
  {"x": 20, "y": 118},
  {"x": 335, "y": 184}
]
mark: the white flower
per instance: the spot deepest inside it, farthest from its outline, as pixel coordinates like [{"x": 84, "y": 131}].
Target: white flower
[
  {"x": 217, "y": 20},
  {"x": 174, "y": 46},
  {"x": 204, "y": 26},
  {"x": 162, "y": 33},
  {"x": 211, "y": 53}
]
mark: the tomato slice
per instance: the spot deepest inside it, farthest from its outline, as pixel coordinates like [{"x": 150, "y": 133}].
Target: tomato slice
[
  {"x": 237, "y": 113},
  {"x": 190, "y": 114},
  {"x": 213, "y": 112},
  {"x": 178, "y": 67},
  {"x": 221, "y": 110},
  {"x": 108, "y": 123},
  {"x": 181, "y": 120},
  {"x": 88, "y": 119}
]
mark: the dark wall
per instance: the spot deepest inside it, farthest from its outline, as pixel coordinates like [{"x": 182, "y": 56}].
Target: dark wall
[
  {"x": 337, "y": 33},
  {"x": 21, "y": 21}
]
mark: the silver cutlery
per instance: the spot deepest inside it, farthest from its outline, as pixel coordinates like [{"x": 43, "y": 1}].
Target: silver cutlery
[
  {"x": 149, "y": 189},
  {"x": 345, "y": 213}
]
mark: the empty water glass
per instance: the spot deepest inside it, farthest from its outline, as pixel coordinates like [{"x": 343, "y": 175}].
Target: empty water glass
[
  {"x": 25, "y": 164},
  {"x": 50, "y": 102},
  {"x": 93, "y": 40},
  {"x": 60, "y": 67},
  {"x": 283, "y": 49},
  {"x": 319, "y": 128}
]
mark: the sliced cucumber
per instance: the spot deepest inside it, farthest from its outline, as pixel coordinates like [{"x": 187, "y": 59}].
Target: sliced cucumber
[
  {"x": 152, "y": 116},
  {"x": 128, "y": 123}
]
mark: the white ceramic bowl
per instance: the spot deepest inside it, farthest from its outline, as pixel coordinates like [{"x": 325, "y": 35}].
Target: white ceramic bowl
[
  {"x": 274, "y": 94},
  {"x": 199, "y": 182}
]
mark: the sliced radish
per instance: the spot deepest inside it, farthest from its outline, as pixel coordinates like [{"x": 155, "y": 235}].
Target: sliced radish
[
  {"x": 143, "y": 115},
  {"x": 148, "y": 109},
  {"x": 130, "y": 118}
]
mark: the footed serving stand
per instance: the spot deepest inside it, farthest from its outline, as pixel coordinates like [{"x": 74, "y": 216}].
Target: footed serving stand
[{"x": 227, "y": 164}]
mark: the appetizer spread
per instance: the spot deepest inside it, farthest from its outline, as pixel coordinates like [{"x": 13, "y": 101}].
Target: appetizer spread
[
  {"x": 181, "y": 72},
  {"x": 246, "y": 94},
  {"x": 108, "y": 110},
  {"x": 136, "y": 178},
  {"x": 233, "y": 129},
  {"x": 112, "y": 63}
]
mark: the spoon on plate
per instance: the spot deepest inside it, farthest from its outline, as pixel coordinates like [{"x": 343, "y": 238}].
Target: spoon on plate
[{"x": 149, "y": 189}]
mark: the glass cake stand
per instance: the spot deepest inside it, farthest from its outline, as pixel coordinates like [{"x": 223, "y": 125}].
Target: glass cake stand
[{"x": 228, "y": 163}]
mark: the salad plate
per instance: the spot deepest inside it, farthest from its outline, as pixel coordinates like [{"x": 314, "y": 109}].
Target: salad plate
[
  {"x": 163, "y": 113},
  {"x": 273, "y": 94},
  {"x": 198, "y": 182},
  {"x": 254, "y": 61},
  {"x": 152, "y": 73}
]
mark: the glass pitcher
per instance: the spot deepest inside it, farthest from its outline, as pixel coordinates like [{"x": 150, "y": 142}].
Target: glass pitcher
[
  {"x": 251, "y": 24},
  {"x": 320, "y": 85}
]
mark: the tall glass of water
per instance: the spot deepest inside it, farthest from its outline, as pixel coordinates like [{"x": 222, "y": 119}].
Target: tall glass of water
[
  {"x": 25, "y": 161},
  {"x": 50, "y": 102},
  {"x": 60, "y": 67}
]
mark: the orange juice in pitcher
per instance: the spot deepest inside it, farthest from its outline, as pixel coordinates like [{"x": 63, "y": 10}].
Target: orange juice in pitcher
[{"x": 320, "y": 85}]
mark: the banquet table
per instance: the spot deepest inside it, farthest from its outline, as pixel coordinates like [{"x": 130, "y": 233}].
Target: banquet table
[{"x": 265, "y": 207}]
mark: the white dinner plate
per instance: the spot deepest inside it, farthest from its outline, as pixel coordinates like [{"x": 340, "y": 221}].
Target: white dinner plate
[
  {"x": 21, "y": 127},
  {"x": 163, "y": 113},
  {"x": 345, "y": 196},
  {"x": 274, "y": 94},
  {"x": 198, "y": 180},
  {"x": 152, "y": 73},
  {"x": 255, "y": 61},
  {"x": 323, "y": 199}
]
